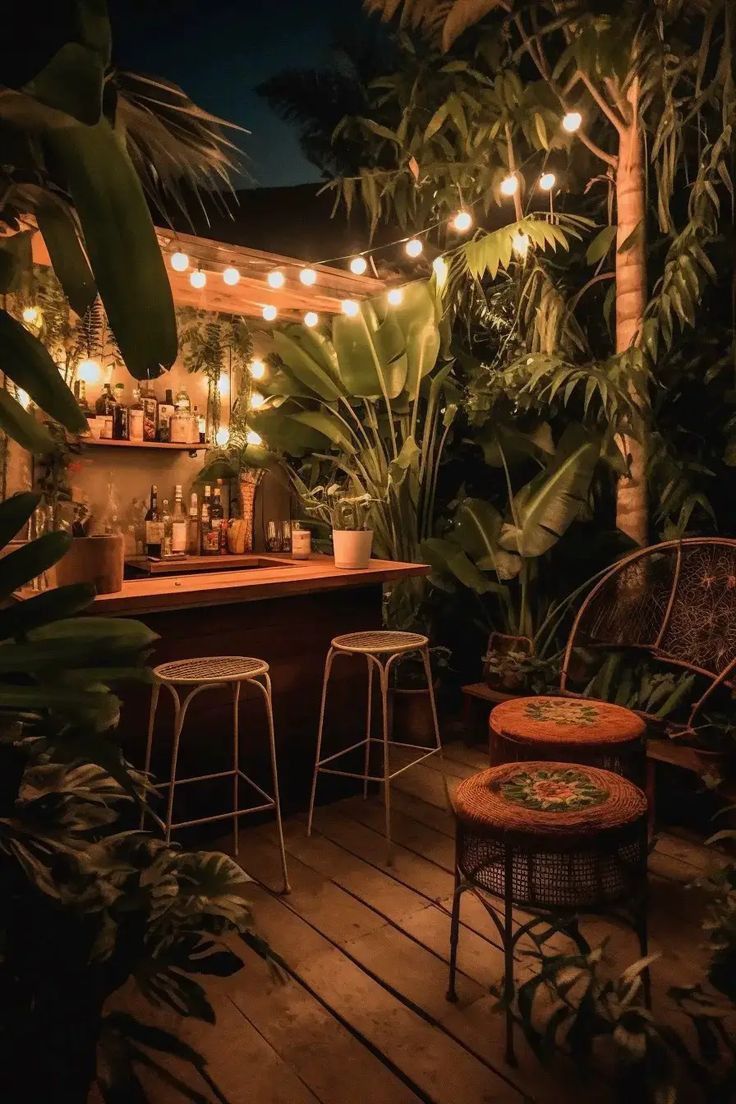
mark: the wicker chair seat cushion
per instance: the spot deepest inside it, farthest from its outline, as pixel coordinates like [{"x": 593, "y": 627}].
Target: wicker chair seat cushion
[
  {"x": 550, "y": 805},
  {"x": 558, "y": 723}
]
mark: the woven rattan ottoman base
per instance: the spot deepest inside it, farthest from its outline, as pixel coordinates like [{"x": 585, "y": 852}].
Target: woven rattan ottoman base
[
  {"x": 569, "y": 730},
  {"x": 554, "y": 838}
]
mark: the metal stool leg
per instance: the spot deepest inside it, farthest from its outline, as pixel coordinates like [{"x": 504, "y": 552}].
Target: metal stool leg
[
  {"x": 325, "y": 680},
  {"x": 455, "y": 920},
  {"x": 155, "y": 691},
  {"x": 266, "y": 691},
  {"x": 383, "y": 676},
  {"x": 368, "y": 718},
  {"x": 435, "y": 723},
  {"x": 236, "y": 762},
  {"x": 179, "y": 714},
  {"x": 508, "y": 955}
]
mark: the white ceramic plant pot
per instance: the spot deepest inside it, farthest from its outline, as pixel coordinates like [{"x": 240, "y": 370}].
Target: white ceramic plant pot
[{"x": 352, "y": 547}]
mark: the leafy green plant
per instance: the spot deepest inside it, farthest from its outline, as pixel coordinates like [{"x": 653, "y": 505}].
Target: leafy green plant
[
  {"x": 335, "y": 508},
  {"x": 219, "y": 346}
]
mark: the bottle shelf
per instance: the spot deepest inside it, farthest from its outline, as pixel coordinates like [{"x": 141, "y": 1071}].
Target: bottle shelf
[{"x": 107, "y": 442}]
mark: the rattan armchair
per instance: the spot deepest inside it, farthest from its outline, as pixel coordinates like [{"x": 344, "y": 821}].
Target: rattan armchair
[{"x": 675, "y": 601}]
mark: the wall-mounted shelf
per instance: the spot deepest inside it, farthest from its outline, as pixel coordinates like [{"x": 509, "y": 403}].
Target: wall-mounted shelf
[{"x": 107, "y": 442}]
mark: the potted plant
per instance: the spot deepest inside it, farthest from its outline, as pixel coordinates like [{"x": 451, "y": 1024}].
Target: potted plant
[{"x": 347, "y": 515}]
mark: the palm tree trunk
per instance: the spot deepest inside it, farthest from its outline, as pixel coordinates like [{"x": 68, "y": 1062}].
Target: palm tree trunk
[{"x": 631, "y": 298}]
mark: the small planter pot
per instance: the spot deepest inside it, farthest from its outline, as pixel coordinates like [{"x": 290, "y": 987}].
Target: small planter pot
[
  {"x": 501, "y": 668},
  {"x": 96, "y": 560},
  {"x": 352, "y": 547}
]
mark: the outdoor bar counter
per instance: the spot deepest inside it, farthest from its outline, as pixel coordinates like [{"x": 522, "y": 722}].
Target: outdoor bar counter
[{"x": 285, "y": 613}]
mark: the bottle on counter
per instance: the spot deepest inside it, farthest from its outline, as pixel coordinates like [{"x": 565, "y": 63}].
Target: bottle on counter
[
  {"x": 150, "y": 413},
  {"x": 165, "y": 414},
  {"x": 138, "y": 522},
  {"x": 135, "y": 417},
  {"x": 201, "y": 427},
  {"x": 179, "y": 525},
  {"x": 154, "y": 526},
  {"x": 120, "y": 414},
  {"x": 104, "y": 407},
  {"x": 80, "y": 394},
  {"x": 167, "y": 522},
  {"x": 193, "y": 541},
  {"x": 209, "y": 533},
  {"x": 217, "y": 520},
  {"x": 194, "y": 426},
  {"x": 183, "y": 402}
]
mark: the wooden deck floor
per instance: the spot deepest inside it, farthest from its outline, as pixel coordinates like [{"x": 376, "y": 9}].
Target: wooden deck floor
[{"x": 363, "y": 1015}]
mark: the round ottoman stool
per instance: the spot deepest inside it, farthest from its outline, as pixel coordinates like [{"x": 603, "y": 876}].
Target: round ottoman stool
[
  {"x": 570, "y": 730},
  {"x": 554, "y": 838}
]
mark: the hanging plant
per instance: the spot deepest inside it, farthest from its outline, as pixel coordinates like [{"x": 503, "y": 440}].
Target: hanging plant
[{"x": 220, "y": 346}]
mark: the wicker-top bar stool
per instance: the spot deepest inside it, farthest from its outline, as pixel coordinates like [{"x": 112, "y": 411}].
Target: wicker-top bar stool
[
  {"x": 381, "y": 650},
  {"x": 192, "y": 677},
  {"x": 554, "y": 838},
  {"x": 569, "y": 730}
]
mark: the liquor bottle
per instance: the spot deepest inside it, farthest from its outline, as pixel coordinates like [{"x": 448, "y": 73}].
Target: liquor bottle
[
  {"x": 167, "y": 522},
  {"x": 183, "y": 402},
  {"x": 201, "y": 427},
  {"x": 104, "y": 401},
  {"x": 207, "y": 500},
  {"x": 120, "y": 414},
  {"x": 80, "y": 394},
  {"x": 217, "y": 517},
  {"x": 138, "y": 522},
  {"x": 150, "y": 413},
  {"x": 165, "y": 412},
  {"x": 210, "y": 534},
  {"x": 154, "y": 526},
  {"x": 135, "y": 417},
  {"x": 193, "y": 543},
  {"x": 194, "y": 427},
  {"x": 179, "y": 526}
]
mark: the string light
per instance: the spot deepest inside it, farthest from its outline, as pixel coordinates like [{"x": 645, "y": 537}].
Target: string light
[
  {"x": 222, "y": 436},
  {"x": 308, "y": 276},
  {"x": 198, "y": 279},
  {"x": 276, "y": 279},
  {"x": 547, "y": 181},
  {"x": 572, "y": 121},
  {"x": 257, "y": 369},
  {"x": 257, "y": 400},
  {"x": 462, "y": 221},
  {"x": 89, "y": 370},
  {"x": 31, "y": 316},
  {"x": 358, "y": 265},
  {"x": 510, "y": 185},
  {"x": 269, "y": 312},
  {"x": 311, "y": 318},
  {"x": 179, "y": 261},
  {"x": 520, "y": 244},
  {"x": 395, "y": 296},
  {"x": 349, "y": 307},
  {"x": 253, "y": 438},
  {"x": 414, "y": 247},
  {"x": 231, "y": 276}
]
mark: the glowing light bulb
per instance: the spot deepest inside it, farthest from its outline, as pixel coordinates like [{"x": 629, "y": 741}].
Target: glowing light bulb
[
  {"x": 462, "y": 221},
  {"x": 257, "y": 400},
  {"x": 571, "y": 121},
  {"x": 179, "y": 261},
  {"x": 439, "y": 266},
  {"x": 311, "y": 318},
  {"x": 547, "y": 181},
  {"x": 269, "y": 312},
  {"x": 510, "y": 185},
  {"x": 231, "y": 276},
  {"x": 31, "y": 316},
  {"x": 222, "y": 436},
  {"x": 276, "y": 279},
  {"x": 23, "y": 397},
  {"x": 395, "y": 296},
  {"x": 257, "y": 369},
  {"x": 414, "y": 247},
  {"x": 520, "y": 244},
  {"x": 223, "y": 385},
  {"x": 308, "y": 276},
  {"x": 89, "y": 370},
  {"x": 349, "y": 307},
  {"x": 358, "y": 265},
  {"x": 253, "y": 438},
  {"x": 198, "y": 279}
]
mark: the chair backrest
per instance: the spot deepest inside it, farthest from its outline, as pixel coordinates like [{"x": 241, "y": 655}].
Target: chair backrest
[{"x": 676, "y": 600}]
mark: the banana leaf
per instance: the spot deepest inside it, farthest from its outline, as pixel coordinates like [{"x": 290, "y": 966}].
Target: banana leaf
[
  {"x": 332, "y": 428},
  {"x": 547, "y": 506},
  {"x": 416, "y": 315},
  {"x": 506, "y": 442},
  {"x": 304, "y": 367},
  {"x": 121, "y": 243},
  {"x": 478, "y": 526},
  {"x": 59, "y": 232},
  {"x": 284, "y": 434},
  {"x": 51, "y": 605},
  {"x": 71, "y": 82},
  {"x": 106, "y": 632},
  {"x": 28, "y": 364},
  {"x": 371, "y": 353},
  {"x": 32, "y": 559},
  {"x": 444, "y": 556},
  {"x": 14, "y": 513},
  {"x": 16, "y": 260}
]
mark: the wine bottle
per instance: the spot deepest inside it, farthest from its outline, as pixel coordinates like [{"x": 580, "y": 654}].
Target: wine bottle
[
  {"x": 210, "y": 534},
  {"x": 179, "y": 525},
  {"x": 120, "y": 414},
  {"x": 154, "y": 526},
  {"x": 167, "y": 522},
  {"x": 217, "y": 519},
  {"x": 165, "y": 413},
  {"x": 150, "y": 413},
  {"x": 135, "y": 417},
  {"x": 193, "y": 543}
]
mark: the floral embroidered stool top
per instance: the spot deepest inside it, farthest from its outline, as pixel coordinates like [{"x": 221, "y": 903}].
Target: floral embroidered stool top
[{"x": 577, "y": 730}]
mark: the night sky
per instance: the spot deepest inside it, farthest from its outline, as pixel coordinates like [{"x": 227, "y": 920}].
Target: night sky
[{"x": 219, "y": 50}]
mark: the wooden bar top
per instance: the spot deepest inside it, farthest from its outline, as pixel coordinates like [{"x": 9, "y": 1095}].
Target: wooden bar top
[{"x": 217, "y": 588}]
